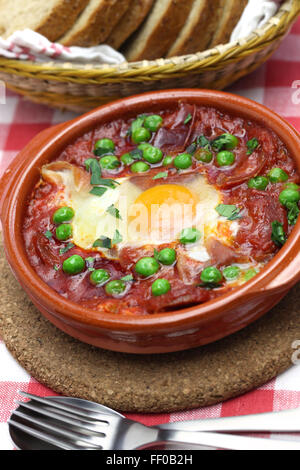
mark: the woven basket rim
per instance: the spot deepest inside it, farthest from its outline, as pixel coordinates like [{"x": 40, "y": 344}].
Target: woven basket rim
[{"x": 277, "y": 26}]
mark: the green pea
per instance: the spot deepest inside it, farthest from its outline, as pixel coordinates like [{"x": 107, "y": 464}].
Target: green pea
[
  {"x": 292, "y": 186},
  {"x": 110, "y": 162},
  {"x": 127, "y": 159},
  {"x": 225, "y": 142},
  {"x": 189, "y": 235},
  {"x": 153, "y": 123},
  {"x": 259, "y": 182},
  {"x": 64, "y": 214},
  {"x": 183, "y": 161},
  {"x": 250, "y": 274},
  {"x": 211, "y": 275},
  {"x": 160, "y": 287},
  {"x": 147, "y": 267},
  {"x": 144, "y": 146},
  {"x": 64, "y": 232},
  {"x": 231, "y": 273},
  {"x": 152, "y": 154},
  {"x": 167, "y": 256},
  {"x": 140, "y": 167},
  {"x": 141, "y": 135},
  {"x": 277, "y": 175},
  {"x": 115, "y": 287},
  {"x": 289, "y": 196},
  {"x": 225, "y": 158},
  {"x": 74, "y": 265},
  {"x": 204, "y": 155},
  {"x": 168, "y": 160},
  {"x": 99, "y": 277},
  {"x": 105, "y": 145}
]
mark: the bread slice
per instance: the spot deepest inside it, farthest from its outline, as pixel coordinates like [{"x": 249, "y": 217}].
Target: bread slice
[
  {"x": 130, "y": 22},
  {"x": 232, "y": 12},
  {"x": 51, "y": 18},
  {"x": 199, "y": 28},
  {"x": 159, "y": 31},
  {"x": 95, "y": 23}
]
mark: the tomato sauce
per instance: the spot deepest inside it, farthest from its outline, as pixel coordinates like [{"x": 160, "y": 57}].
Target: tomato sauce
[{"x": 253, "y": 242}]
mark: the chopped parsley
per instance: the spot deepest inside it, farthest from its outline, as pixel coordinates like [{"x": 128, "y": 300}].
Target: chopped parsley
[
  {"x": 112, "y": 210},
  {"x": 90, "y": 263},
  {"x": 219, "y": 143},
  {"x": 98, "y": 191},
  {"x": 209, "y": 286},
  {"x": 67, "y": 248},
  {"x": 102, "y": 152},
  {"x": 278, "y": 234},
  {"x": 93, "y": 166},
  {"x": 136, "y": 124},
  {"x": 225, "y": 142},
  {"x": 109, "y": 182},
  {"x": 252, "y": 145},
  {"x": 103, "y": 242},
  {"x": 163, "y": 174},
  {"x": 128, "y": 278},
  {"x": 188, "y": 119},
  {"x": 191, "y": 149},
  {"x": 48, "y": 235},
  {"x": 136, "y": 154},
  {"x": 231, "y": 212},
  {"x": 117, "y": 238},
  {"x": 201, "y": 149},
  {"x": 202, "y": 142},
  {"x": 293, "y": 212}
]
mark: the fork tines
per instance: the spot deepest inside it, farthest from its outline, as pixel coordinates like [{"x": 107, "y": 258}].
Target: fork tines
[{"x": 62, "y": 425}]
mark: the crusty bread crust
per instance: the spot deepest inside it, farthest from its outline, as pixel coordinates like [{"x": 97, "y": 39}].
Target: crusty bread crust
[
  {"x": 94, "y": 25},
  {"x": 55, "y": 24},
  {"x": 198, "y": 30},
  {"x": 230, "y": 17},
  {"x": 159, "y": 34},
  {"x": 130, "y": 22},
  {"x": 62, "y": 19}
]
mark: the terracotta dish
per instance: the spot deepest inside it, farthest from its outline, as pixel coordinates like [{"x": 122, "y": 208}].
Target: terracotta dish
[{"x": 194, "y": 309}]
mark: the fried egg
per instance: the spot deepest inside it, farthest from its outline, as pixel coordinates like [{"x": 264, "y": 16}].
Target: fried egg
[{"x": 140, "y": 211}]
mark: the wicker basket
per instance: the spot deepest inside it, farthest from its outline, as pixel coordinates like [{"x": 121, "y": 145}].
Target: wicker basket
[{"x": 81, "y": 87}]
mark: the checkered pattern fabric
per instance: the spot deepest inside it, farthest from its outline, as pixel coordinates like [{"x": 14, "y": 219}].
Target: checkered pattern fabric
[{"x": 276, "y": 85}]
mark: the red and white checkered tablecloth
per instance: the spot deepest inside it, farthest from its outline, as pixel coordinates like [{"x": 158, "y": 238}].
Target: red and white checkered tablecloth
[{"x": 277, "y": 85}]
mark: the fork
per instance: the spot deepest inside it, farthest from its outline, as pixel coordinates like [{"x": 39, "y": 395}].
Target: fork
[
  {"x": 70, "y": 428},
  {"x": 277, "y": 421}
]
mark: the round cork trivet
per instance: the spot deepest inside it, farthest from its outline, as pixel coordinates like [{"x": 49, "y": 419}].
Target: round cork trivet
[{"x": 152, "y": 383}]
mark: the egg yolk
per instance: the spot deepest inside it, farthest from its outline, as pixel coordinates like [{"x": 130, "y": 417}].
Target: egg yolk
[{"x": 170, "y": 207}]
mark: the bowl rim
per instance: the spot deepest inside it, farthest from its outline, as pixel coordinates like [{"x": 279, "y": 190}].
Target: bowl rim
[{"x": 71, "y": 311}]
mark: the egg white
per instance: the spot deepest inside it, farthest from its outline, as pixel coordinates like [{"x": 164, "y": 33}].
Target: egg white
[{"x": 93, "y": 221}]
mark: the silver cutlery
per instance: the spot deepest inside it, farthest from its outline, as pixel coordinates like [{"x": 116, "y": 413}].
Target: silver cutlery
[
  {"x": 276, "y": 421},
  {"x": 75, "y": 424},
  {"x": 287, "y": 421}
]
